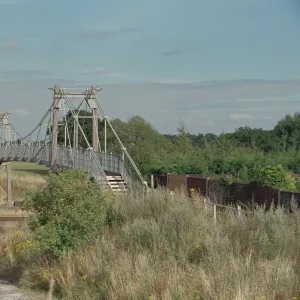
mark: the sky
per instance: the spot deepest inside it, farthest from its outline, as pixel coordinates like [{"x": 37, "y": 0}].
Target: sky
[{"x": 214, "y": 64}]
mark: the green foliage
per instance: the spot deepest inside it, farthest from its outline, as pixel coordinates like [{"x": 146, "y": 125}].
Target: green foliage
[
  {"x": 67, "y": 211},
  {"x": 182, "y": 142},
  {"x": 274, "y": 177},
  {"x": 237, "y": 155},
  {"x": 288, "y": 132}
]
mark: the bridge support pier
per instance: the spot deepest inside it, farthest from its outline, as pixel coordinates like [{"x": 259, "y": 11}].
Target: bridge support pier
[
  {"x": 57, "y": 100},
  {"x": 95, "y": 139},
  {"x": 8, "y": 193}
]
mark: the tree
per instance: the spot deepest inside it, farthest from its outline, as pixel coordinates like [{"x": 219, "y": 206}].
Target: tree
[
  {"x": 288, "y": 132},
  {"x": 254, "y": 138},
  {"x": 183, "y": 143},
  {"x": 274, "y": 177}
]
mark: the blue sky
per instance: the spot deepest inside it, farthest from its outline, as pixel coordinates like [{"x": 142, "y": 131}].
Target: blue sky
[{"x": 215, "y": 64}]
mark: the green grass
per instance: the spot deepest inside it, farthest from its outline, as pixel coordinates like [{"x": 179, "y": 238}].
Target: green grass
[{"x": 29, "y": 168}]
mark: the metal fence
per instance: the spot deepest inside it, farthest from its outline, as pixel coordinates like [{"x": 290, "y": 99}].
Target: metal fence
[{"x": 236, "y": 193}]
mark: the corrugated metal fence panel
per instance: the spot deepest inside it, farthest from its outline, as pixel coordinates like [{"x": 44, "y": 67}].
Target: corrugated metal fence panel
[
  {"x": 160, "y": 180},
  {"x": 177, "y": 182},
  {"x": 264, "y": 195},
  {"x": 197, "y": 183},
  {"x": 237, "y": 192},
  {"x": 285, "y": 199},
  {"x": 217, "y": 192},
  {"x": 240, "y": 193},
  {"x": 297, "y": 198}
]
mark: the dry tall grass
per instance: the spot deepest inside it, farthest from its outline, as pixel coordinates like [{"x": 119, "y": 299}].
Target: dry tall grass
[
  {"x": 159, "y": 246},
  {"x": 21, "y": 182}
]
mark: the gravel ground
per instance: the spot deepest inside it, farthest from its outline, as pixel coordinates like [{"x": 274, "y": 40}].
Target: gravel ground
[{"x": 10, "y": 292}]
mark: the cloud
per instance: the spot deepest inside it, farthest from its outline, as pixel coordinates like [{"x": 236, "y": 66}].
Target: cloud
[
  {"x": 19, "y": 111},
  {"x": 20, "y": 74},
  {"x": 103, "y": 71},
  {"x": 100, "y": 34},
  {"x": 240, "y": 117},
  {"x": 203, "y": 106},
  {"x": 171, "y": 53},
  {"x": 106, "y": 72},
  {"x": 93, "y": 71}
]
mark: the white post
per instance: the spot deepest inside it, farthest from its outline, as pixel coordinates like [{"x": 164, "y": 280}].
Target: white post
[
  {"x": 215, "y": 213},
  {"x": 65, "y": 144},
  {"x": 152, "y": 182},
  {"x": 239, "y": 210},
  {"x": 105, "y": 134}
]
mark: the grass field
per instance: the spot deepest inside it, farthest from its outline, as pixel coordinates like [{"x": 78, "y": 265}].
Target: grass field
[
  {"x": 153, "y": 246},
  {"x": 24, "y": 176}
]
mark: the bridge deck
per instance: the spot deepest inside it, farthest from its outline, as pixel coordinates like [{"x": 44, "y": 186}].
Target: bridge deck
[{"x": 97, "y": 163}]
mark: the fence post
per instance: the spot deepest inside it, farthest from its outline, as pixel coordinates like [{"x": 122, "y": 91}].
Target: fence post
[
  {"x": 239, "y": 210},
  {"x": 152, "y": 182},
  {"x": 279, "y": 198},
  {"x": 215, "y": 213},
  {"x": 9, "y": 195}
]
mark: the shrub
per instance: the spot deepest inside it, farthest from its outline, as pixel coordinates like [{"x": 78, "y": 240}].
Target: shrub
[
  {"x": 66, "y": 212},
  {"x": 274, "y": 177}
]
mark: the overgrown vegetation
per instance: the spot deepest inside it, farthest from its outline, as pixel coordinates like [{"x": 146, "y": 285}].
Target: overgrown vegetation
[
  {"x": 239, "y": 155},
  {"x": 22, "y": 179},
  {"x": 66, "y": 212},
  {"x": 149, "y": 246},
  {"x": 162, "y": 246}
]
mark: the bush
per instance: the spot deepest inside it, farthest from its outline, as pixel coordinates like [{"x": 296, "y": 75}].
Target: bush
[
  {"x": 69, "y": 210},
  {"x": 274, "y": 177}
]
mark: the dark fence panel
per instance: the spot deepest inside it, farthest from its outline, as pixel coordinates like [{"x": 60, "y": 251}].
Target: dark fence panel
[
  {"x": 264, "y": 195},
  {"x": 197, "y": 183},
  {"x": 297, "y": 199},
  {"x": 177, "y": 182},
  {"x": 240, "y": 193},
  {"x": 236, "y": 193},
  {"x": 160, "y": 180},
  {"x": 217, "y": 192}
]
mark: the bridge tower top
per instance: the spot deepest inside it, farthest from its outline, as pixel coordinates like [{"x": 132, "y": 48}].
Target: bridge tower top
[{"x": 5, "y": 132}]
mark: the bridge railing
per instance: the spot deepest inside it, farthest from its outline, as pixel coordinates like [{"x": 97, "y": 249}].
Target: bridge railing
[{"x": 69, "y": 158}]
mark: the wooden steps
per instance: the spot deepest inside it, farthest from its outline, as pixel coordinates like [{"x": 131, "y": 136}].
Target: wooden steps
[{"x": 117, "y": 183}]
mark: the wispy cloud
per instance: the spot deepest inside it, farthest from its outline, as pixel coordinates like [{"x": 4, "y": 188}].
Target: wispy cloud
[
  {"x": 19, "y": 111},
  {"x": 134, "y": 78},
  {"x": 241, "y": 117},
  {"x": 172, "y": 53},
  {"x": 17, "y": 74},
  {"x": 99, "y": 34},
  {"x": 203, "y": 107},
  {"x": 103, "y": 71}
]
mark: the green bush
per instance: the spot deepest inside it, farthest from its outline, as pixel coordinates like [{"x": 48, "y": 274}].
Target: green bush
[
  {"x": 68, "y": 211},
  {"x": 274, "y": 177}
]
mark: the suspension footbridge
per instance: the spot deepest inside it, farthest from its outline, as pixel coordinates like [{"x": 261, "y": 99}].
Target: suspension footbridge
[{"x": 61, "y": 140}]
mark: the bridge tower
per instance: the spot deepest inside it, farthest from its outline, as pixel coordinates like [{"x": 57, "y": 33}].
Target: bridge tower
[
  {"x": 79, "y": 146},
  {"x": 63, "y": 97},
  {"x": 5, "y": 127}
]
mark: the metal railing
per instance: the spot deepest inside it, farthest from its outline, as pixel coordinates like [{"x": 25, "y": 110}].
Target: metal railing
[{"x": 67, "y": 157}]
